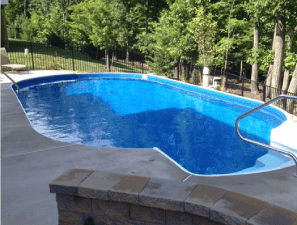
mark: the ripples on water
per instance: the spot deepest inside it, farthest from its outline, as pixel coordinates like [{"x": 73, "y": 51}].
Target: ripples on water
[{"x": 195, "y": 130}]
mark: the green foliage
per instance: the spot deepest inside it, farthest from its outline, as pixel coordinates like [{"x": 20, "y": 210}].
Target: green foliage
[
  {"x": 170, "y": 39},
  {"x": 290, "y": 61},
  {"x": 203, "y": 29},
  {"x": 166, "y": 31},
  {"x": 14, "y": 9},
  {"x": 265, "y": 58},
  {"x": 14, "y": 28},
  {"x": 28, "y": 31}
]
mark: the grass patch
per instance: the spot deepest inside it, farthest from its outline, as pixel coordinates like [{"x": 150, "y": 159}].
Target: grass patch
[{"x": 46, "y": 57}]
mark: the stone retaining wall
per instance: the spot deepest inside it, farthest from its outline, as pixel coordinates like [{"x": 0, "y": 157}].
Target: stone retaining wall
[{"x": 96, "y": 197}]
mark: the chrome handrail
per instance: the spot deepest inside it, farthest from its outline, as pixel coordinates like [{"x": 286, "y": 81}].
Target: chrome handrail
[
  {"x": 264, "y": 145},
  {"x": 15, "y": 84}
]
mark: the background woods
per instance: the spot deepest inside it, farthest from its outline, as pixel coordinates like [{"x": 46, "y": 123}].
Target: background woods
[{"x": 255, "y": 36}]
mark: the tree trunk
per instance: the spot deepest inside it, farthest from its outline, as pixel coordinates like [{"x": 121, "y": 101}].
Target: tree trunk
[
  {"x": 112, "y": 58},
  {"x": 278, "y": 57},
  {"x": 64, "y": 28},
  {"x": 292, "y": 90},
  {"x": 97, "y": 53},
  {"x": 176, "y": 71},
  {"x": 200, "y": 76},
  {"x": 285, "y": 81},
  {"x": 24, "y": 7},
  {"x": 116, "y": 53},
  {"x": 146, "y": 16},
  {"x": 4, "y": 37},
  {"x": 181, "y": 70},
  {"x": 254, "y": 76},
  {"x": 193, "y": 69},
  {"x": 240, "y": 73},
  {"x": 287, "y": 72},
  {"x": 269, "y": 74},
  {"x": 107, "y": 59},
  {"x": 274, "y": 37},
  {"x": 127, "y": 54},
  {"x": 224, "y": 80},
  {"x": 268, "y": 81}
]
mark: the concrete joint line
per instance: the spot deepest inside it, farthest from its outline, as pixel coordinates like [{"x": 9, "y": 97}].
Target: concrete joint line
[
  {"x": 42, "y": 150},
  {"x": 187, "y": 178}
]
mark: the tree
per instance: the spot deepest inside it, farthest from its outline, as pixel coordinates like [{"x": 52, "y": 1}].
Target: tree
[
  {"x": 285, "y": 14},
  {"x": 254, "y": 76},
  {"x": 204, "y": 30},
  {"x": 99, "y": 20},
  {"x": 256, "y": 12},
  {"x": 233, "y": 35},
  {"x": 46, "y": 18},
  {"x": 224, "y": 81},
  {"x": 170, "y": 41},
  {"x": 285, "y": 81},
  {"x": 278, "y": 56},
  {"x": 293, "y": 90},
  {"x": 269, "y": 73}
]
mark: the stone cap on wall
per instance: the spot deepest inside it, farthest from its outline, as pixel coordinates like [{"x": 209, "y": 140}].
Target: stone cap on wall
[{"x": 217, "y": 204}]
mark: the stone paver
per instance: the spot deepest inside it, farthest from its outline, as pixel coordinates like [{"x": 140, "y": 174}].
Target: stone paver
[
  {"x": 234, "y": 208},
  {"x": 68, "y": 182},
  {"x": 202, "y": 198},
  {"x": 128, "y": 189},
  {"x": 173, "y": 193},
  {"x": 274, "y": 215},
  {"x": 98, "y": 184}
]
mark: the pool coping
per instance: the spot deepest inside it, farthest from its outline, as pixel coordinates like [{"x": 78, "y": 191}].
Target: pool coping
[{"x": 276, "y": 187}]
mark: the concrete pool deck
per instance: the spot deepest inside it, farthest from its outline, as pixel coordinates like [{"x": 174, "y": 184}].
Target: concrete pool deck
[{"x": 30, "y": 161}]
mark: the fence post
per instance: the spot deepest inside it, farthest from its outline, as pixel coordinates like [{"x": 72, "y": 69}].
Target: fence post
[
  {"x": 72, "y": 59},
  {"x": 264, "y": 91},
  {"x": 141, "y": 63},
  {"x": 285, "y": 101},
  {"x": 178, "y": 65},
  {"x": 32, "y": 55},
  {"x": 242, "y": 83},
  {"x": 108, "y": 60}
]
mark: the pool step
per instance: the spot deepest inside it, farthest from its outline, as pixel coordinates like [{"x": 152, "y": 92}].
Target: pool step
[{"x": 271, "y": 160}]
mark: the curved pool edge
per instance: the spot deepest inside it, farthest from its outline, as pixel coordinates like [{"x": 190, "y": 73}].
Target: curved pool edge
[
  {"x": 276, "y": 143},
  {"x": 272, "y": 187}
]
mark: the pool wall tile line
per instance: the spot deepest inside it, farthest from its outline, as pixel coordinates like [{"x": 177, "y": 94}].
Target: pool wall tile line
[{"x": 114, "y": 198}]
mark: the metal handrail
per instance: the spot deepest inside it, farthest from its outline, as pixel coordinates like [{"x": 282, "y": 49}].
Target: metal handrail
[
  {"x": 264, "y": 145},
  {"x": 15, "y": 84}
]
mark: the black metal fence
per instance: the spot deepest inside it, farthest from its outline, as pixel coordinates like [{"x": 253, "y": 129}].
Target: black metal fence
[
  {"x": 235, "y": 84},
  {"x": 240, "y": 85},
  {"x": 76, "y": 58},
  {"x": 90, "y": 59}
]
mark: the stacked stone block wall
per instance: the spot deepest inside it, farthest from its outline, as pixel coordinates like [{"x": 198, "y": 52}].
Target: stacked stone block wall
[{"x": 86, "y": 197}]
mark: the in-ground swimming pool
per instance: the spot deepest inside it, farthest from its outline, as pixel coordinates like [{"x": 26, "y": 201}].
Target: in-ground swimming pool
[{"x": 191, "y": 125}]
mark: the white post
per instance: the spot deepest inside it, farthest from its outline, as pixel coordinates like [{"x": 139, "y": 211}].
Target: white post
[
  {"x": 205, "y": 76},
  {"x": 26, "y": 51}
]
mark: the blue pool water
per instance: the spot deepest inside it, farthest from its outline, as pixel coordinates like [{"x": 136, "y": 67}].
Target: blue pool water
[{"x": 193, "y": 126}]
